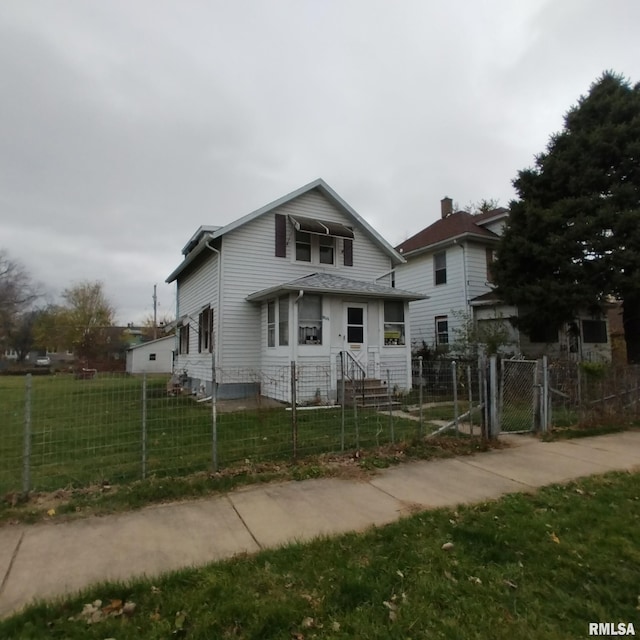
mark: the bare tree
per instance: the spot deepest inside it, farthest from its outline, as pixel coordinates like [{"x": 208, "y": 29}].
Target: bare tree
[
  {"x": 17, "y": 293},
  {"x": 482, "y": 206}
]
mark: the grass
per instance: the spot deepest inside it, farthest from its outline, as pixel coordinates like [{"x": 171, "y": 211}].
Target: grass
[
  {"x": 102, "y": 500},
  {"x": 526, "y": 566},
  {"x": 87, "y": 432}
]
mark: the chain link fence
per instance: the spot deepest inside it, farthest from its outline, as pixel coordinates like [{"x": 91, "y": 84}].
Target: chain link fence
[
  {"x": 520, "y": 395},
  {"x": 65, "y": 430}
]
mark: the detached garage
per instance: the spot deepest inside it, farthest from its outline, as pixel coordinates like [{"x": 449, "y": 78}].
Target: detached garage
[{"x": 152, "y": 357}]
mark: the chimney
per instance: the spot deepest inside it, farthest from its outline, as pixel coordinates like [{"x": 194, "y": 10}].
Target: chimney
[{"x": 446, "y": 207}]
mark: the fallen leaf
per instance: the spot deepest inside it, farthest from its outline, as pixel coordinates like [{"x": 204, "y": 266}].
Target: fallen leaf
[
  {"x": 400, "y": 573},
  {"x": 51, "y": 513},
  {"x": 447, "y": 546},
  {"x": 307, "y": 623},
  {"x": 475, "y": 580},
  {"x": 554, "y": 538},
  {"x": 449, "y": 576},
  {"x": 335, "y": 626},
  {"x": 510, "y": 584}
]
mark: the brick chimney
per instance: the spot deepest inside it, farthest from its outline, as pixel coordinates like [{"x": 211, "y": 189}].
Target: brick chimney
[{"x": 446, "y": 207}]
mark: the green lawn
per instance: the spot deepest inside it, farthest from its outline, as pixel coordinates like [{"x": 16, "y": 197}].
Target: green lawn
[
  {"x": 92, "y": 431},
  {"x": 527, "y": 566}
]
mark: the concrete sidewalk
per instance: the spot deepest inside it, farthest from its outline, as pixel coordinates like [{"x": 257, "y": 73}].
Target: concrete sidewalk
[{"x": 48, "y": 560}]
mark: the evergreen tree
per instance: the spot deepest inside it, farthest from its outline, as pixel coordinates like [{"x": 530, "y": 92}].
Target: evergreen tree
[{"x": 573, "y": 237}]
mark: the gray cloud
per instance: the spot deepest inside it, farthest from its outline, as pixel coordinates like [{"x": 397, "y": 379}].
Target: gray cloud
[{"x": 124, "y": 126}]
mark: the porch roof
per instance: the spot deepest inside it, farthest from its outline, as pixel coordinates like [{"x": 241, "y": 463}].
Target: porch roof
[{"x": 327, "y": 283}]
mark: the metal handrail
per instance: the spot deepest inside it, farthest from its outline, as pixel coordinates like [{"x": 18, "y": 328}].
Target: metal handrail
[{"x": 354, "y": 365}]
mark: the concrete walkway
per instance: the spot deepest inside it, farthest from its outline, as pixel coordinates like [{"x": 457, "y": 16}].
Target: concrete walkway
[{"x": 48, "y": 560}]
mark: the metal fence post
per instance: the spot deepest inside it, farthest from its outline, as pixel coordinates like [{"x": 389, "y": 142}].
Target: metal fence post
[
  {"x": 144, "y": 426},
  {"x": 214, "y": 414},
  {"x": 470, "y": 385},
  {"x": 454, "y": 374},
  {"x": 494, "y": 425},
  {"x": 26, "y": 450},
  {"x": 294, "y": 414},
  {"x": 343, "y": 400},
  {"x": 391, "y": 432},
  {"x": 546, "y": 408},
  {"x": 420, "y": 423}
]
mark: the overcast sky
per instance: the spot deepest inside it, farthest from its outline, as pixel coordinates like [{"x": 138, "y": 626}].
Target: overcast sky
[{"x": 124, "y": 125}]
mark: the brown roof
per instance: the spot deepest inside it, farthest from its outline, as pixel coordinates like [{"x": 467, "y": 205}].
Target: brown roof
[{"x": 452, "y": 226}]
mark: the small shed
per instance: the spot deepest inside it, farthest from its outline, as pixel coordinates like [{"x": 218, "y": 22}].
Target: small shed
[{"x": 152, "y": 357}]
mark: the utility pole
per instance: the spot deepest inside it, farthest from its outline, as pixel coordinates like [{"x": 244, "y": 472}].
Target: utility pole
[{"x": 155, "y": 312}]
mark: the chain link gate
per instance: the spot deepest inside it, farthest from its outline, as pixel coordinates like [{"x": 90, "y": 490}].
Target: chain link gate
[{"x": 520, "y": 395}]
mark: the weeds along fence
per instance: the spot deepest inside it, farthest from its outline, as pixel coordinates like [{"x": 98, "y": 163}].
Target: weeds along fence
[
  {"x": 593, "y": 394},
  {"x": 62, "y": 431}
]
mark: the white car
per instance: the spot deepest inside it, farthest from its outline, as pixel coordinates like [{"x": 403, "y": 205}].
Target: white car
[{"x": 43, "y": 361}]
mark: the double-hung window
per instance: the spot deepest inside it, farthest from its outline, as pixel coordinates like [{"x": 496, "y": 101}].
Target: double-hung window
[
  {"x": 394, "y": 322},
  {"x": 183, "y": 338},
  {"x": 278, "y": 322},
  {"x": 310, "y": 319},
  {"x": 442, "y": 330},
  {"x": 205, "y": 330},
  {"x": 303, "y": 246},
  {"x": 440, "y": 268}
]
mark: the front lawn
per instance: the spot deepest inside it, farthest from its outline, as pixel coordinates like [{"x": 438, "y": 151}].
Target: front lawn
[{"x": 526, "y": 566}]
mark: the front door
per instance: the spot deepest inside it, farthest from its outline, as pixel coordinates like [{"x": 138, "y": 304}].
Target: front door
[{"x": 356, "y": 332}]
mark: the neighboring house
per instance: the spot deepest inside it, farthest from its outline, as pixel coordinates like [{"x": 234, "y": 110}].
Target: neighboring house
[
  {"x": 155, "y": 356},
  {"x": 450, "y": 261},
  {"x": 300, "y": 279}
]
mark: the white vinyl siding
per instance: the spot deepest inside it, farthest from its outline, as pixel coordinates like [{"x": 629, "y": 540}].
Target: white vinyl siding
[
  {"x": 418, "y": 275},
  {"x": 245, "y": 272},
  {"x": 196, "y": 290}
]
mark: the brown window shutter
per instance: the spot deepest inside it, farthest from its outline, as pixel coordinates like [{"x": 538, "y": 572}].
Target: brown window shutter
[
  {"x": 281, "y": 236},
  {"x": 348, "y": 252}
]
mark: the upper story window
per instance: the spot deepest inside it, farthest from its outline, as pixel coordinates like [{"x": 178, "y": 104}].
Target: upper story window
[
  {"x": 314, "y": 241},
  {"x": 326, "y": 249},
  {"x": 440, "y": 268},
  {"x": 394, "y": 322},
  {"x": 303, "y": 246},
  {"x": 491, "y": 258}
]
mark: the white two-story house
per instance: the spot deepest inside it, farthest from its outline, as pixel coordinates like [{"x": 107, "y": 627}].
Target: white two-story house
[
  {"x": 450, "y": 262},
  {"x": 302, "y": 279}
]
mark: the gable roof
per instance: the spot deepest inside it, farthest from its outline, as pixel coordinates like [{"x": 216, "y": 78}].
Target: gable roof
[
  {"x": 329, "y": 283},
  {"x": 455, "y": 226},
  {"x": 197, "y": 243}
]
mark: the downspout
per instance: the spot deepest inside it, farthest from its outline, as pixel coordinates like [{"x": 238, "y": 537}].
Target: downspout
[
  {"x": 295, "y": 324},
  {"x": 218, "y": 318}
]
